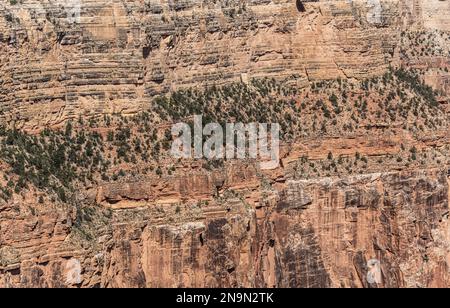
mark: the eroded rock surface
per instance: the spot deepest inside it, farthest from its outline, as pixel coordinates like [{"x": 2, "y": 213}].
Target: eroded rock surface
[
  {"x": 116, "y": 54},
  {"x": 310, "y": 233},
  {"x": 379, "y": 219}
]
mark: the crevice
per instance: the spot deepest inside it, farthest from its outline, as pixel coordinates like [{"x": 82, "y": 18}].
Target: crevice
[
  {"x": 202, "y": 241},
  {"x": 300, "y": 6}
]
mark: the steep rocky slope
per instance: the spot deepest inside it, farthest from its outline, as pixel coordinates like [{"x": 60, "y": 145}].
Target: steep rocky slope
[
  {"x": 309, "y": 233},
  {"x": 120, "y": 53},
  {"x": 89, "y": 196}
]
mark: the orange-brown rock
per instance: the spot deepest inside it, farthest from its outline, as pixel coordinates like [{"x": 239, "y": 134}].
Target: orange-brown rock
[
  {"x": 379, "y": 217},
  {"x": 118, "y": 54},
  {"x": 309, "y": 233}
]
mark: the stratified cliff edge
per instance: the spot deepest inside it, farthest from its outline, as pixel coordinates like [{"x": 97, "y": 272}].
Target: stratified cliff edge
[
  {"x": 311, "y": 233},
  {"x": 118, "y": 54},
  {"x": 90, "y": 198}
]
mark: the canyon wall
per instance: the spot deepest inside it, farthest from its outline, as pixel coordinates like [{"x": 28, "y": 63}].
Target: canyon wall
[
  {"x": 382, "y": 223},
  {"x": 307, "y": 233},
  {"x": 115, "y": 55}
]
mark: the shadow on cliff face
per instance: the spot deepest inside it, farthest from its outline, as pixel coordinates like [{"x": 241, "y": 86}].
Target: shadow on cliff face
[
  {"x": 300, "y": 6},
  {"x": 303, "y": 264}
]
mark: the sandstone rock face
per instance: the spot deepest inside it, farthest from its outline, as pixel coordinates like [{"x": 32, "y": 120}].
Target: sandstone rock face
[
  {"x": 114, "y": 55},
  {"x": 32, "y": 248},
  {"x": 384, "y": 222},
  {"x": 309, "y": 233},
  {"x": 327, "y": 231}
]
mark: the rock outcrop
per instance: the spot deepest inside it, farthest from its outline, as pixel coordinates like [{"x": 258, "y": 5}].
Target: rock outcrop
[
  {"x": 363, "y": 205},
  {"x": 115, "y": 55},
  {"x": 309, "y": 233}
]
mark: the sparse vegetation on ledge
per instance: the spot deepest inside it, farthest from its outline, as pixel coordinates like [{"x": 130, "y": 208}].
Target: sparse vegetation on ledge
[{"x": 106, "y": 149}]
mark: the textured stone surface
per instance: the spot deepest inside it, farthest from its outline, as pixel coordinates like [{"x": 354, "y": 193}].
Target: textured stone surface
[
  {"x": 309, "y": 233},
  {"x": 238, "y": 226},
  {"x": 394, "y": 218},
  {"x": 120, "y": 53}
]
